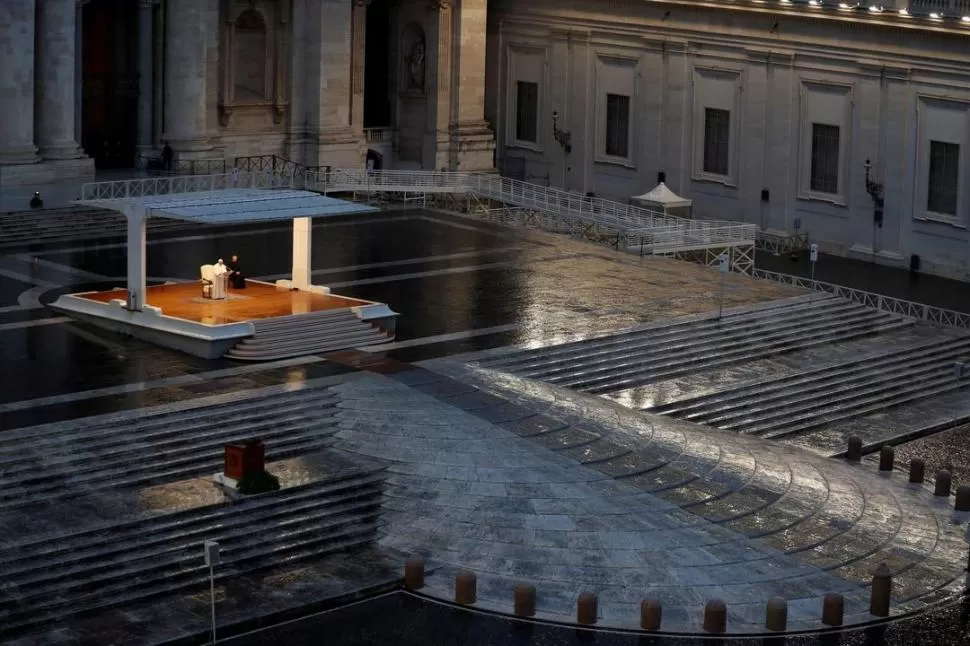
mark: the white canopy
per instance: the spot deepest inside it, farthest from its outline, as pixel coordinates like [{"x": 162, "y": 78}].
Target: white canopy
[
  {"x": 236, "y": 206},
  {"x": 663, "y": 196}
]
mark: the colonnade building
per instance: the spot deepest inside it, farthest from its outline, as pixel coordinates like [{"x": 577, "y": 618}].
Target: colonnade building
[{"x": 850, "y": 122}]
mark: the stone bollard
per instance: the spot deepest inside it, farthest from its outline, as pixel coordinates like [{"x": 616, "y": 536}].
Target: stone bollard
[
  {"x": 650, "y": 614},
  {"x": 854, "y": 453},
  {"x": 882, "y": 585},
  {"x": 466, "y": 587},
  {"x": 887, "y": 456},
  {"x": 587, "y": 608},
  {"x": 524, "y": 600},
  {"x": 917, "y": 471},
  {"x": 833, "y": 609},
  {"x": 943, "y": 483},
  {"x": 715, "y": 617},
  {"x": 962, "y": 502},
  {"x": 414, "y": 574},
  {"x": 776, "y": 615}
]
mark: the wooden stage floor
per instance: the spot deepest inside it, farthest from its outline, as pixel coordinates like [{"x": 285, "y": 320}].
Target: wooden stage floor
[{"x": 257, "y": 301}]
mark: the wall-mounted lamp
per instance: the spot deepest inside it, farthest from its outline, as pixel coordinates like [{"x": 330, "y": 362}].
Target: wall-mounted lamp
[{"x": 563, "y": 137}]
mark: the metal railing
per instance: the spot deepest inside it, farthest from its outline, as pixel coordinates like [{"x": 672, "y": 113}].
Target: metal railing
[
  {"x": 919, "y": 311},
  {"x": 274, "y": 163},
  {"x": 168, "y": 184},
  {"x": 782, "y": 244},
  {"x": 623, "y": 218}
]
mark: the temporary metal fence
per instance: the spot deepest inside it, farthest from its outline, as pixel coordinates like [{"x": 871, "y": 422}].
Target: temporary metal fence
[{"x": 919, "y": 311}]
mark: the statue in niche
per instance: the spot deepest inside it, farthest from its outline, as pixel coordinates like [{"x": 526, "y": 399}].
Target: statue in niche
[{"x": 416, "y": 64}]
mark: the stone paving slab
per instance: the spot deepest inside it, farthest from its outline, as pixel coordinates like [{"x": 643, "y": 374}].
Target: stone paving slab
[{"x": 764, "y": 519}]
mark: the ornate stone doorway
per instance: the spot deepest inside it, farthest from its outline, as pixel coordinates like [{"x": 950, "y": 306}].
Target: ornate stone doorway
[{"x": 109, "y": 82}]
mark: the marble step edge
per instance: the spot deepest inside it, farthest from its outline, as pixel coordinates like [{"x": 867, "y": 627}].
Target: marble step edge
[
  {"x": 620, "y": 342},
  {"x": 301, "y": 552},
  {"x": 934, "y": 350},
  {"x": 364, "y": 501},
  {"x": 321, "y": 333},
  {"x": 747, "y": 338},
  {"x": 335, "y": 484},
  {"x": 200, "y": 466},
  {"x": 146, "y": 434},
  {"x": 237, "y": 398},
  {"x": 818, "y": 397},
  {"x": 737, "y": 356},
  {"x": 95, "y": 469}
]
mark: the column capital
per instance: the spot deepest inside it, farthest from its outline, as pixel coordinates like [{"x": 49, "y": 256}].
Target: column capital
[
  {"x": 439, "y": 5},
  {"x": 362, "y": 3}
]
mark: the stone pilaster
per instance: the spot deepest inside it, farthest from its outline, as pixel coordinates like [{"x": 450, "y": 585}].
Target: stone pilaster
[
  {"x": 358, "y": 56},
  {"x": 333, "y": 140},
  {"x": 55, "y": 72},
  {"x": 146, "y": 73},
  {"x": 472, "y": 142},
  {"x": 186, "y": 57},
  {"x": 17, "y": 82}
]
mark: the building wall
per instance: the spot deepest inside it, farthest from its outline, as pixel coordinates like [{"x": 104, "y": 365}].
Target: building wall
[{"x": 888, "y": 89}]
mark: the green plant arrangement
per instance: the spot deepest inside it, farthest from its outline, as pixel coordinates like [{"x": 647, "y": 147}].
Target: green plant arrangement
[{"x": 254, "y": 483}]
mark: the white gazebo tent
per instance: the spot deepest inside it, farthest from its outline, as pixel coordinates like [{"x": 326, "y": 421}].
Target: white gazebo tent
[{"x": 663, "y": 199}]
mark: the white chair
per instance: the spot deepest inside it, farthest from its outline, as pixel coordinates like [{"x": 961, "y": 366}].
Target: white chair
[{"x": 208, "y": 273}]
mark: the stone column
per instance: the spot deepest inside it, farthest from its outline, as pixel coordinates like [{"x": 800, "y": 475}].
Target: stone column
[
  {"x": 437, "y": 155},
  {"x": 17, "y": 82},
  {"x": 302, "y": 253},
  {"x": 146, "y": 81},
  {"x": 55, "y": 79},
  {"x": 79, "y": 71},
  {"x": 358, "y": 56},
  {"x": 137, "y": 217},
  {"x": 185, "y": 77}
]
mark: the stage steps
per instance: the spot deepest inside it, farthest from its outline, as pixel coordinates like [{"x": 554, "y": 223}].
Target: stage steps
[
  {"x": 778, "y": 408},
  {"x": 48, "y": 463},
  {"x": 303, "y": 334},
  {"x": 41, "y": 226},
  {"x": 53, "y": 578},
  {"x": 624, "y": 361}
]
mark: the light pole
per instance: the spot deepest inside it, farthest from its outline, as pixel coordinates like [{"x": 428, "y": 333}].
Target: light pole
[
  {"x": 875, "y": 191},
  {"x": 211, "y": 560},
  {"x": 564, "y": 139}
]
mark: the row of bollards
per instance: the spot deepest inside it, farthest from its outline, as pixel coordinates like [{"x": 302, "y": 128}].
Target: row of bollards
[
  {"x": 917, "y": 473},
  {"x": 651, "y": 610}
]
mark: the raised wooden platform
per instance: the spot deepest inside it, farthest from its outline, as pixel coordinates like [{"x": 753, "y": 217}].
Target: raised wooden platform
[{"x": 258, "y": 301}]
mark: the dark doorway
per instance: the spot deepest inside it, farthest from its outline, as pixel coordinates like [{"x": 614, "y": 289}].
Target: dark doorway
[
  {"x": 375, "y": 160},
  {"x": 109, "y": 114},
  {"x": 377, "y": 66}
]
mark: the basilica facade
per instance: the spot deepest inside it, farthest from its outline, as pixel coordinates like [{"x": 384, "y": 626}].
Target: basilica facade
[
  {"x": 849, "y": 122},
  {"x": 775, "y": 113}
]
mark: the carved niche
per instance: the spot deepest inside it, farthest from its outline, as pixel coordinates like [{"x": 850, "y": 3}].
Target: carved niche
[{"x": 252, "y": 60}]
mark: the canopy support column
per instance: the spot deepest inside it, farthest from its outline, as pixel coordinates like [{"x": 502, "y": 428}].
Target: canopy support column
[
  {"x": 302, "y": 252},
  {"x": 137, "y": 217}
]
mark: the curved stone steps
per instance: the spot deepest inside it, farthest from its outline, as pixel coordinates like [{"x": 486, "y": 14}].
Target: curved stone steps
[{"x": 304, "y": 334}]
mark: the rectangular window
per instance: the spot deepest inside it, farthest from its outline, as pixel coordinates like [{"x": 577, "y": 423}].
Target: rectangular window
[
  {"x": 617, "y": 125},
  {"x": 825, "y": 159},
  {"x": 717, "y": 141},
  {"x": 526, "y": 111},
  {"x": 943, "y": 185}
]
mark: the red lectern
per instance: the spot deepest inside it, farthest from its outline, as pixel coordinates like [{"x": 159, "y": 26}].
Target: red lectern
[{"x": 244, "y": 459}]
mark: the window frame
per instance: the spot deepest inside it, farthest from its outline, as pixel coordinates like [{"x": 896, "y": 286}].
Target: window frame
[
  {"x": 825, "y": 113},
  {"x": 955, "y": 215},
  {"x": 726, "y": 97},
  {"x": 526, "y": 63}
]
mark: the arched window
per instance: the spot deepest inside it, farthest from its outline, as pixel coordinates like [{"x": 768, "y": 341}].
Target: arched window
[{"x": 251, "y": 57}]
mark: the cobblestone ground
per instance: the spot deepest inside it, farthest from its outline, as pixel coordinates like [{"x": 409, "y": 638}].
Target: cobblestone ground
[{"x": 530, "y": 483}]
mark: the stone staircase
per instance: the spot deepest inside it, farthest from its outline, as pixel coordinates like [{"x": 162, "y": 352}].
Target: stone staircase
[
  {"x": 682, "y": 347},
  {"x": 303, "y": 334},
  {"x": 42, "y": 226},
  {"x": 44, "y": 464},
  {"x": 50, "y": 579},
  {"x": 793, "y": 404}
]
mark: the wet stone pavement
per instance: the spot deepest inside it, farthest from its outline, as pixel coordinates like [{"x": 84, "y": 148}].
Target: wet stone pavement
[{"x": 551, "y": 412}]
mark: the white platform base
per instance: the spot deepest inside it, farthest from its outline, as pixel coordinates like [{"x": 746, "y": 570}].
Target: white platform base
[
  {"x": 315, "y": 289},
  {"x": 226, "y": 481}
]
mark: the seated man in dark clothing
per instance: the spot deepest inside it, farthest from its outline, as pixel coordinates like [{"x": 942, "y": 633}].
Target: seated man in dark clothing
[{"x": 236, "y": 278}]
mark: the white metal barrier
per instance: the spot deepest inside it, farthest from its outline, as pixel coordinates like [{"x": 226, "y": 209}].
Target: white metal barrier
[{"x": 928, "y": 313}]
